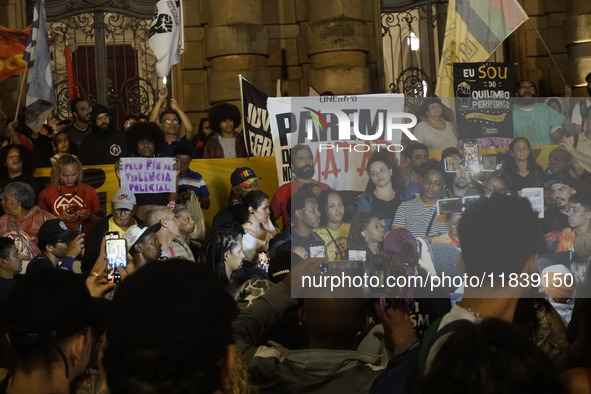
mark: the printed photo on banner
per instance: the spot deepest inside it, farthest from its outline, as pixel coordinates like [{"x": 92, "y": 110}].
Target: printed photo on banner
[
  {"x": 483, "y": 106},
  {"x": 341, "y": 131},
  {"x": 148, "y": 174}
]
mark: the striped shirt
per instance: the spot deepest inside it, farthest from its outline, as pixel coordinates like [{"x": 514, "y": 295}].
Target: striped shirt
[
  {"x": 194, "y": 181},
  {"x": 415, "y": 216}
]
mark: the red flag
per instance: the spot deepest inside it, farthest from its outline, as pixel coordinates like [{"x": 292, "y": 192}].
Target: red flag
[
  {"x": 12, "y": 48},
  {"x": 73, "y": 90}
]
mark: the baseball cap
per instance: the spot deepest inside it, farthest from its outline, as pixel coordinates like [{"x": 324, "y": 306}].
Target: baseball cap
[
  {"x": 243, "y": 176},
  {"x": 54, "y": 230},
  {"x": 135, "y": 232},
  {"x": 564, "y": 178},
  {"x": 123, "y": 199},
  {"x": 45, "y": 307}
]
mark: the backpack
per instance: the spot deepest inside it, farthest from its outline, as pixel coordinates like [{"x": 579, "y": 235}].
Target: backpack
[{"x": 404, "y": 371}]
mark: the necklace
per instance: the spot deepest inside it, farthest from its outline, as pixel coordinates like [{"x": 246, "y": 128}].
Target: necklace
[
  {"x": 59, "y": 189},
  {"x": 476, "y": 315}
]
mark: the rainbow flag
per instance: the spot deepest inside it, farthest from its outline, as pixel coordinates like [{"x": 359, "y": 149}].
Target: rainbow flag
[{"x": 473, "y": 31}]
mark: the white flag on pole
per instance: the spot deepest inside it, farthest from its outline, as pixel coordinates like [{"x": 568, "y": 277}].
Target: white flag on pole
[{"x": 166, "y": 35}]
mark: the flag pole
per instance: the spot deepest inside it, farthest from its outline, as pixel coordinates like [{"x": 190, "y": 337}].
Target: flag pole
[
  {"x": 549, "y": 53},
  {"x": 20, "y": 93}
]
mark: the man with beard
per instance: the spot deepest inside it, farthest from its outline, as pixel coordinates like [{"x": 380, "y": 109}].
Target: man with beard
[
  {"x": 80, "y": 128},
  {"x": 302, "y": 166},
  {"x": 580, "y": 108},
  {"x": 105, "y": 145},
  {"x": 459, "y": 184},
  {"x": 562, "y": 187},
  {"x": 537, "y": 122}
]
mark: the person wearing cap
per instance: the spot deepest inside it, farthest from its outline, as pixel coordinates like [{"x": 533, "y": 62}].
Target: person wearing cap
[
  {"x": 190, "y": 180},
  {"x": 105, "y": 145},
  {"x": 123, "y": 208},
  {"x": 22, "y": 219},
  {"x": 580, "y": 108},
  {"x": 562, "y": 187},
  {"x": 578, "y": 212},
  {"x": 143, "y": 244},
  {"x": 59, "y": 247},
  {"x": 10, "y": 265},
  {"x": 302, "y": 167},
  {"x": 48, "y": 322},
  {"x": 243, "y": 180}
]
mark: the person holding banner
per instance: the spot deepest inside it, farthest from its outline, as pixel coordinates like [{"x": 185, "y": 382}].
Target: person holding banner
[
  {"x": 144, "y": 140},
  {"x": 434, "y": 131},
  {"x": 224, "y": 119},
  {"x": 385, "y": 188}
]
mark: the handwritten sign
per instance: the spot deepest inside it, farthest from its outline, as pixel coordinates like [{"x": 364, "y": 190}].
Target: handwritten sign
[{"x": 148, "y": 175}]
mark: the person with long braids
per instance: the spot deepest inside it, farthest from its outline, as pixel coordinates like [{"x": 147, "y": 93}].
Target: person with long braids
[
  {"x": 222, "y": 251},
  {"x": 67, "y": 198}
]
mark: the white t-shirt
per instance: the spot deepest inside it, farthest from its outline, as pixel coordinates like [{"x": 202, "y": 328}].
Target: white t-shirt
[{"x": 436, "y": 140}]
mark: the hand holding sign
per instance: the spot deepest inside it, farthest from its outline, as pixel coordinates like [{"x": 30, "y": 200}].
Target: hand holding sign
[{"x": 148, "y": 174}]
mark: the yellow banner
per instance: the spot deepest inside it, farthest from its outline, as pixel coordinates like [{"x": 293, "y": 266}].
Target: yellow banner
[
  {"x": 215, "y": 172},
  {"x": 492, "y": 118}
]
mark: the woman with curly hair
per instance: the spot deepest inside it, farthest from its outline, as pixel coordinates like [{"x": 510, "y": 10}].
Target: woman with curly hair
[
  {"x": 385, "y": 188},
  {"x": 68, "y": 199},
  {"x": 224, "y": 118},
  {"x": 145, "y": 140},
  {"x": 222, "y": 251}
]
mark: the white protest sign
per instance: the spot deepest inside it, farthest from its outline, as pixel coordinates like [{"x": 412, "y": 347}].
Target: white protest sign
[
  {"x": 341, "y": 131},
  {"x": 148, "y": 174}
]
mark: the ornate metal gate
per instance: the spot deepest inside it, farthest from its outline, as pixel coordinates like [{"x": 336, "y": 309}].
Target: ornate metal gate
[
  {"x": 412, "y": 33},
  {"x": 111, "y": 60}
]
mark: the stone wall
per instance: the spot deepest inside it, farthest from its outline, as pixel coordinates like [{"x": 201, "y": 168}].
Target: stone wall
[
  {"x": 563, "y": 25},
  {"x": 335, "y": 47}
]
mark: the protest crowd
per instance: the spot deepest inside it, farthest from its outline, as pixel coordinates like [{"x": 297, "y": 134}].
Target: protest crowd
[{"x": 460, "y": 266}]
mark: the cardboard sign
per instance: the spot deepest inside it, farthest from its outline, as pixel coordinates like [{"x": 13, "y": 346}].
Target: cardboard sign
[{"x": 148, "y": 175}]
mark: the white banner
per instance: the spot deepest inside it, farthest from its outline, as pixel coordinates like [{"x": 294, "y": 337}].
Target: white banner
[
  {"x": 148, "y": 174},
  {"x": 342, "y": 132},
  {"x": 166, "y": 35}
]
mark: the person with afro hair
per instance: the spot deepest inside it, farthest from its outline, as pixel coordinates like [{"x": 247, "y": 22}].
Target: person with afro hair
[{"x": 224, "y": 119}]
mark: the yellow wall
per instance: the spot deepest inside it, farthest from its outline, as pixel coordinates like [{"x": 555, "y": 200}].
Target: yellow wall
[{"x": 215, "y": 172}]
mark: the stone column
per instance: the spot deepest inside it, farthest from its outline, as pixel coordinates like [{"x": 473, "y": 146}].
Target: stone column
[
  {"x": 577, "y": 26},
  {"x": 338, "y": 43},
  {"x": 236, "y": 42}
]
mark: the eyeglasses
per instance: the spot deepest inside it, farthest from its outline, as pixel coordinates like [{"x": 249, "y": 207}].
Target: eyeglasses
[
  {"x": 102, "y": 117},
  {"x": 381, "y": 171},
  {"x": 122, "y": 211},
  {"x": 569, "y": 209},
  {"x": 171, "y": 121},
  {"x": 531, "y": 89}
]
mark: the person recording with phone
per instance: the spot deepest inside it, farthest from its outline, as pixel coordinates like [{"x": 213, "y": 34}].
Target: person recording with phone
[{"x": 59, "y": 247}]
